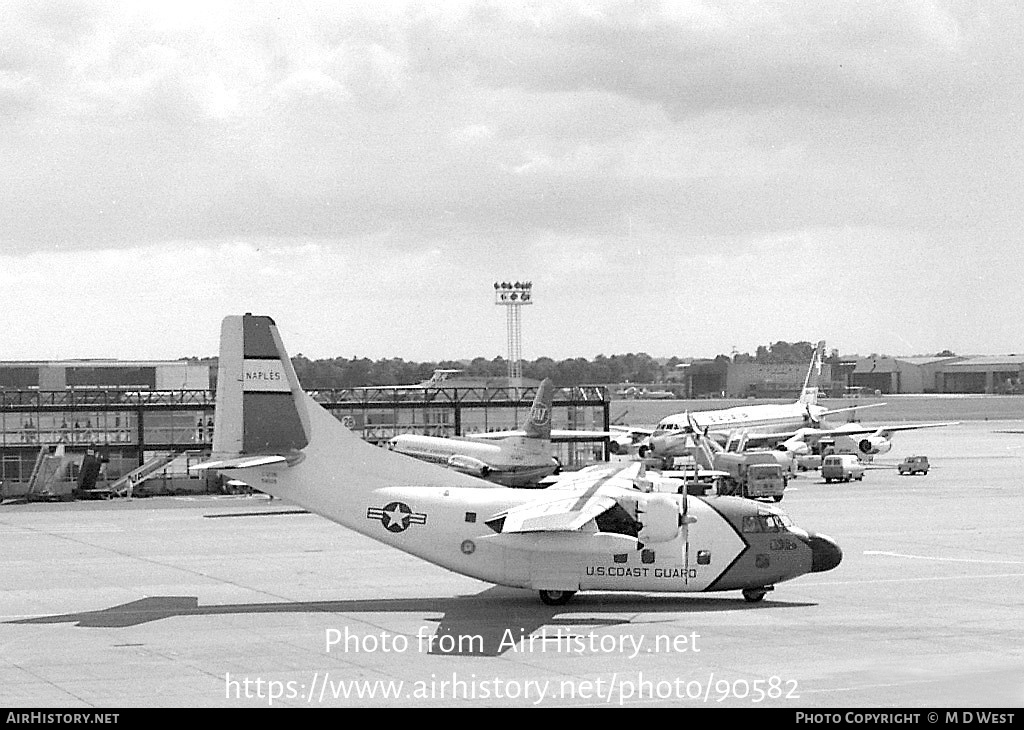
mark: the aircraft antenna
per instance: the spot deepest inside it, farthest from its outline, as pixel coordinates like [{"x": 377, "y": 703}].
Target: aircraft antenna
[{"x": 513, "y": 296}]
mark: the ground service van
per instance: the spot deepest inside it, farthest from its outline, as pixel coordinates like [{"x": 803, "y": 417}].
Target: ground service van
[{"x": 841, "y": 468}]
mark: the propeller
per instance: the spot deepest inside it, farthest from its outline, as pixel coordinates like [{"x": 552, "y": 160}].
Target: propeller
[
  {"x": 696, "y": 428},
  {"x": 809, "y": 417}
]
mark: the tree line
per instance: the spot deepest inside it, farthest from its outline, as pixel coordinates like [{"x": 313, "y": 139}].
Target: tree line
[{"x": 341, "y": 372}]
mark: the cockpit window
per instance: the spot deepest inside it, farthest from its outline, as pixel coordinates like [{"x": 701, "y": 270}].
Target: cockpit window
[{"x": 763, "y": 523}]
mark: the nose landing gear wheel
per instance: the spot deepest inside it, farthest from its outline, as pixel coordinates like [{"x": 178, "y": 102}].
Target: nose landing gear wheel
[
  {"x": 753, "y": 595},
  {"x": 556, "y": 598}
]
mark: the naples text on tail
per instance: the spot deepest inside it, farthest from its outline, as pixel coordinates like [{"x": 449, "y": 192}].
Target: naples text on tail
[{"x": 609, "y": 527}]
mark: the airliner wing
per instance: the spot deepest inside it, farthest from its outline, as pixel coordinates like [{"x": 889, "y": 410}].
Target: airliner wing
[
  {"x": 851, "y": 408},
  {"x": 570, "y": 434},
  {"x": 895, "y": 428},
  {"x": 494, "y": 435},
  {"x": 812, "y": 435},
  {"x": 632, "y": 430}
]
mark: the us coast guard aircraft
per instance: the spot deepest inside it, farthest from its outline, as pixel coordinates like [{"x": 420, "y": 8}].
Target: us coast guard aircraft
[
  {"x": 514, "y": 458},
  {"x": 607, "y": 528}
]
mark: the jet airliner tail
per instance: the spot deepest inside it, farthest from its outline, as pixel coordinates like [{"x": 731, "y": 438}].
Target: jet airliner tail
[
  {"x": 809, "y": 394},
  {"x": 538, "y": 423}
]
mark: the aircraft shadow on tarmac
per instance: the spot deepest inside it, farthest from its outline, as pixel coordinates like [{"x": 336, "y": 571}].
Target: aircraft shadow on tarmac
[{"x": 490, "y": 617}]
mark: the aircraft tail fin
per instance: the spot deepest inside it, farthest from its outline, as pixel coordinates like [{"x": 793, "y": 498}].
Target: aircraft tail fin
[
  {"x": 809, "y": 394},
  {"x": 260, "y": 409},
  {"x": 538, "y": 423},
  {"x": 271, "y": 434}
]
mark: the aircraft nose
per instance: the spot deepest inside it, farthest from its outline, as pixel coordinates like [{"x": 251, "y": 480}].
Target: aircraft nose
[{"x": 825, "y": 553}]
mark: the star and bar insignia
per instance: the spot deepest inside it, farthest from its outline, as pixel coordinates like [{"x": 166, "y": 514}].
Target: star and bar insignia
[{"x": 396, "y": 516}]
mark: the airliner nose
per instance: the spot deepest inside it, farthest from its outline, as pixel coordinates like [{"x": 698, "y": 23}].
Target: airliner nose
[{"x": 825, "y": 553}]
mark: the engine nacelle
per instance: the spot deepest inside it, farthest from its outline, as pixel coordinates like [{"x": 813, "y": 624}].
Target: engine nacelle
[
  {"x": 619, "y": 446},
  {"x": 674, "y": 444},
  {"x": 795, "y": 446},
  {"x": 660, "y": 516},
  {"x": 469, "y": 465},
  {"x": 874, "y": 445}
]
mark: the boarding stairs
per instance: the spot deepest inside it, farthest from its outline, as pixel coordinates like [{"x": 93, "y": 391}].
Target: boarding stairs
[
  {"x": 134, "y": 478},
  {"x": 48, "y": 479}
]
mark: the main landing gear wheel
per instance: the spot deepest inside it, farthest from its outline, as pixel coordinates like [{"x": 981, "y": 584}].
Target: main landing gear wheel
[
  {"x": 556, "y": 598},
  {"x": 753, "y": 595}
]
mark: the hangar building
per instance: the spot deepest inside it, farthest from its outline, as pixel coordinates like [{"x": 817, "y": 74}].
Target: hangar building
[{"x": 984, "y": 374}]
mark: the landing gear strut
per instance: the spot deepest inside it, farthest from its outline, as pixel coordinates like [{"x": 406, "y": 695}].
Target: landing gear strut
[
  {"x": 753, "y": 595},
  {"x": 556, "y": 598}
]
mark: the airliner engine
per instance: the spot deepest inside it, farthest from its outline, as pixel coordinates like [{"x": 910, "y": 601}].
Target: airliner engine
[
  {"x": 795, "y": 446},
  {"x": 874, "y": 445},
  {"x": 469, "y": 465}
]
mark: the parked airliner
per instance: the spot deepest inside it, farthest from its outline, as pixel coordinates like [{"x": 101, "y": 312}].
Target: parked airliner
[{"x": 515, "y": 459}]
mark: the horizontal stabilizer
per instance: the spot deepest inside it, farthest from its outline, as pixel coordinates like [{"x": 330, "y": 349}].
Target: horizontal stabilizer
[{"x": 241, "y": 462}]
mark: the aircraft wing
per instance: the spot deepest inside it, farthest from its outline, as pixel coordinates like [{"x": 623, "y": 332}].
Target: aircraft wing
[
  {"x": 567, "y": 513},
  {"x": 850, "y": 408},
  {"x": 760, "y": 440},
  {"x": 896, "y": 428},
  {"x": 493, "y": 435},
  {"x": 635, "y": 431},
  {"x": 812, "y": 435},
  {"x": 573, "y": 501},
  {"x": 569, "y": 434},
  {"x": 555, "y": 434}
]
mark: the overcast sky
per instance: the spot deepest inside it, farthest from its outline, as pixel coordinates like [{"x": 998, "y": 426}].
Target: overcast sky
[{"x": 677, "y": 179}]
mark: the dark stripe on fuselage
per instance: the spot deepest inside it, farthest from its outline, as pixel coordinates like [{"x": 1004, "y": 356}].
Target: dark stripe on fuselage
[
  {"x": 258, "y": 340},
  {"x": 746, "y": 546},
  {"x": 271, "y": 424},
  {"x": 585, "y": 497}
]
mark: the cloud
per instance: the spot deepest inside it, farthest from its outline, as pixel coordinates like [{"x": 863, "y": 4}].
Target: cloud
[{"x": 503, "y": 135}]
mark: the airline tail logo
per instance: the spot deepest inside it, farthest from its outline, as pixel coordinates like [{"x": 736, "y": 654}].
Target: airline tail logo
[
  {"x": 538, "y": 424},
  {"x": 809, "y": 395},
  {"x": 540, "y": 416}
]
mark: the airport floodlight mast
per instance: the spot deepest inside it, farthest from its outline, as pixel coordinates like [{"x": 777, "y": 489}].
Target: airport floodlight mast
[{"x": 513, "y": 295}]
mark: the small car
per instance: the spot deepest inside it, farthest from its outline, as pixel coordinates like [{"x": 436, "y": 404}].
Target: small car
[{"x": 914, "y": 465}]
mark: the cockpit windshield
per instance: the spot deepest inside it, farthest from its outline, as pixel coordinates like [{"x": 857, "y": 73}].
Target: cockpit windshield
[
  {"x": 764, "y": 523},
  {"x": 665, "y": 427}
]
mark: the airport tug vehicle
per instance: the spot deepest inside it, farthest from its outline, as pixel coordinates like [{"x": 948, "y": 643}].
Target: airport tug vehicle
[{"x": 605, "y": 528}]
